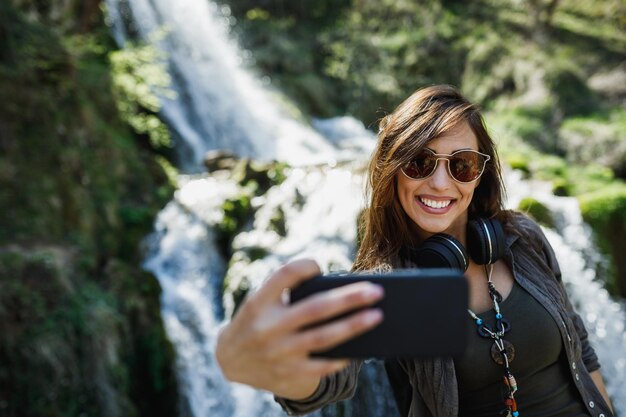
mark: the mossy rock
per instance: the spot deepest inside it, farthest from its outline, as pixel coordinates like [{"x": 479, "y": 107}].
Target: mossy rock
[
  {"x": 519, "y": 162},
  {"x": 561, "y": 187},
  {"x": 75, "y": 345},
  {"x": 259, "y": 176},
  {"x": 537, "y": 210},
  {"x": 60, "y": 339},
  {"x": 605, "y": 211}
]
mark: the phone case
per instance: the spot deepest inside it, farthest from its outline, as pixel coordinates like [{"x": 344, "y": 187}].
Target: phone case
[{"x": 425, "y": 314}]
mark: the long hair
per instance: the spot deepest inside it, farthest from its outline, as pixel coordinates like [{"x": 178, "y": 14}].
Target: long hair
[{"x": 428, "y": 113}]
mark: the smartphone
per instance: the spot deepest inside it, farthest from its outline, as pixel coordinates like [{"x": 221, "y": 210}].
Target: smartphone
[{"x": 425, "y": 314}]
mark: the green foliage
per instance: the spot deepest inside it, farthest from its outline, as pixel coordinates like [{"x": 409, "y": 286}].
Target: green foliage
[
  {"x": 67, "y": 339},
  {"x": 48, "y": 323},
  {"x": 572, "y": 94},
  {"x": 99, "y": 174},
  {"x": 561, "y": 187},
  {"x": 139, "y": 78},
  {"x": 605, "y": 205},
  {"x": 529, "y": 124},
  {"x": 277, "y": 222},
  {"x": 277, "y": 173},
  {"x": 236, "y": 212},
  {"x": 605, "y": 210},
  {"x": 537, "y": 211},
  {"x": 382, "y": 51},
  {"x": 519, "y": 162},
  {"x": 310, "y": 11},
  {"x": 255, "y": 179},
  {"x": 77, "y": 194},
  {"x": 597, "y": 138}
]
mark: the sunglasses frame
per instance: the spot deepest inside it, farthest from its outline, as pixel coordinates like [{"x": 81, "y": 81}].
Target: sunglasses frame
[{"x": 447, "y": 157}]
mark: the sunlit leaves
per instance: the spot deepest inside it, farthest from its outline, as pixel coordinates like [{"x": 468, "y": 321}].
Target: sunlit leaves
[{"x": 140, "y": 80}]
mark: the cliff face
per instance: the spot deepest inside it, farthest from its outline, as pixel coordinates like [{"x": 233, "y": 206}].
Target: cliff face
[{"x": 80, "y": 325}]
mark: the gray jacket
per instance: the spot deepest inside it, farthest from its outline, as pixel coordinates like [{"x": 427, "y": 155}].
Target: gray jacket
[{"x": 435, "y": 392}]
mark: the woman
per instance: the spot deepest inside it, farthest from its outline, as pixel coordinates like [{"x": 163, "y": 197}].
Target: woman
[{"x": 434, "y": 170}]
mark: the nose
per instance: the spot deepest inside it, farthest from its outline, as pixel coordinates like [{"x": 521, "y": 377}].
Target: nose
[{"x": 441, "y": 179}]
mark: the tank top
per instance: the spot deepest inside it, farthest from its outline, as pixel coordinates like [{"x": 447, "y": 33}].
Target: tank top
[{"x": 540, "y": 367}]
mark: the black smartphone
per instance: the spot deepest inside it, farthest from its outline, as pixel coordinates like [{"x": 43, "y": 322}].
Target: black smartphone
[{"x": 425, "y": 314}]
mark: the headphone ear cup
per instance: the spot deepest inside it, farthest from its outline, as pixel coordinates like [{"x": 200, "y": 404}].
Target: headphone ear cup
[
  {"x": 485, "y": 240},
  {"x": 441, "y": 251}
]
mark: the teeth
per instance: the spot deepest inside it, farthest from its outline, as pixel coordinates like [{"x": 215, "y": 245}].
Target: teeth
[{"x": 435, "y": 204}]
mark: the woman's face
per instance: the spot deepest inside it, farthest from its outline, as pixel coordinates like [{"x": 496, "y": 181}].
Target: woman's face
[{"x": 439, "y": 204}]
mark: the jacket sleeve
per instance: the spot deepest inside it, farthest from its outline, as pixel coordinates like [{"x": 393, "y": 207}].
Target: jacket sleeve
[
  {"x": 589, "y": 356},
  {"x": 332, "y": 388}
]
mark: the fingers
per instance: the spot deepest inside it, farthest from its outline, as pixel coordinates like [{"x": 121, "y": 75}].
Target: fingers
[
  {"x": 329, "y": 335},
  {"x": 328, "y": 304}
]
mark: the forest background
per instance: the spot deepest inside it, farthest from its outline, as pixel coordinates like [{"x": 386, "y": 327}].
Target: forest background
[{"x": 86, "y": 164}]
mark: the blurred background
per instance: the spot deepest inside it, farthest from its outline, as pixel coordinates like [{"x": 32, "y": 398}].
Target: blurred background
[{"x": 159, "y": 158}]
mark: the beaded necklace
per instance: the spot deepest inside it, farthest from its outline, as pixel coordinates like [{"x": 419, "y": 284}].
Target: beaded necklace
[{"x": 502, "y": 351}]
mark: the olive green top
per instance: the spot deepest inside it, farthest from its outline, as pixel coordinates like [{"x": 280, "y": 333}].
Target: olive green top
[{"x": 539, "y": 365}]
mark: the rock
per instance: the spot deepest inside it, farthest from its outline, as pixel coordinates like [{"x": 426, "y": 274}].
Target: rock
[{"x": 219, "y": 159}]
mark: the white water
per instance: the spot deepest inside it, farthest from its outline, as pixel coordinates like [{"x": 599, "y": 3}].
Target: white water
[
  {"x": 218, "y": 105},
  {"x": 221, "y": 106}
]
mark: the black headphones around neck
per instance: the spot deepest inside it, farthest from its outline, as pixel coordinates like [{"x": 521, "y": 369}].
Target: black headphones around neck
[{"x": 485, "y": 244}]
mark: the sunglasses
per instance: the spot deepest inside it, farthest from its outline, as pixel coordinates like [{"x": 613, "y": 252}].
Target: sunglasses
[{"x": 463, "y": 165}]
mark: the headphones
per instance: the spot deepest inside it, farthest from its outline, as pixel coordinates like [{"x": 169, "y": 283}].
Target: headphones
[{"x": 485, "y": 244}]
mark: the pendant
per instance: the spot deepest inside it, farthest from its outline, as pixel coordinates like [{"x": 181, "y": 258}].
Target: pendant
[{"x": 509, "y": 350}]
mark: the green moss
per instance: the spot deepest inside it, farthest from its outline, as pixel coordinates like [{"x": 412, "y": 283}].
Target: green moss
[
  {"x": 605, "y": 210},
  {"x": 561, "y": 187},
  {"x": 48, "y": 326},
  {"x": 79, "y": 190},
  {"x": 236, "y": 212},
  {"x": 519, "y": 162},
  {"x": 537, "y": 211}
]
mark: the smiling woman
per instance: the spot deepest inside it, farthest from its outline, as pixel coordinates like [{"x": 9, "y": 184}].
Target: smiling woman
[
  {"x": 439, "y": 202},
  {"x": 435, "y": 182}
]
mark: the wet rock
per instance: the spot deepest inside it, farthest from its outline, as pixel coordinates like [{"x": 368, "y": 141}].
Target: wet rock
[{"x": 220, "y": 160}]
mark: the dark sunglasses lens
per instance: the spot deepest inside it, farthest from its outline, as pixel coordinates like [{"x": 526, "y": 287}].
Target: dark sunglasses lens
[
  {"x": 466, "y": 166},
  {"x": 421, "y": 166}
]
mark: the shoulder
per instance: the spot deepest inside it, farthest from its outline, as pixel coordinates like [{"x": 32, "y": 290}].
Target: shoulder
[
  {"x": 532, "y": 240},
  {"x": 520, "y": 225}
]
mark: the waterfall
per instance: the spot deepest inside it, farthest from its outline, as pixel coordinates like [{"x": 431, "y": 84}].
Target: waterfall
[{"x": 220, "y": 105}]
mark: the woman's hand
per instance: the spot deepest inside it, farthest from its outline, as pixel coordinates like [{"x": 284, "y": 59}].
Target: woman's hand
[{"x": 265, "y": 345}]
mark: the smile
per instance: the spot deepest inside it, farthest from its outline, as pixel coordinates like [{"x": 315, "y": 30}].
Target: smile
[{"x": 435, "y": 204}]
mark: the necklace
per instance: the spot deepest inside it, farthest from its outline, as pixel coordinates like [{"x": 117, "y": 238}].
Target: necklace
[{"x": 502, "y": 351}]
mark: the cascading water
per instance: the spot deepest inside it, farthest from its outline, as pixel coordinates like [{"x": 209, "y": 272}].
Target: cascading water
[
  {"x": 218, "y": 105},
  {"x": 221, "y": 106}
]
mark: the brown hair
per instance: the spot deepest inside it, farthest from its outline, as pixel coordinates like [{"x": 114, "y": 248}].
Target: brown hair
[{"x": 428, "y": 113}]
